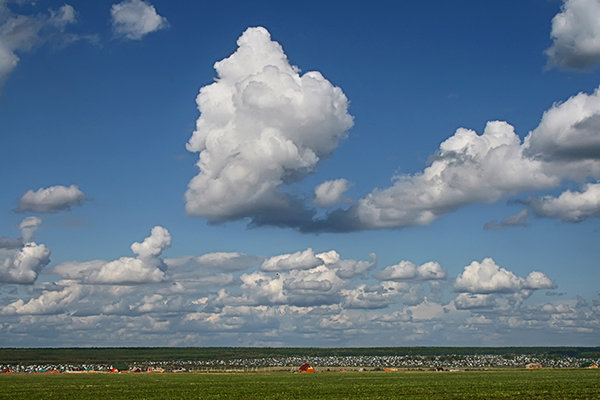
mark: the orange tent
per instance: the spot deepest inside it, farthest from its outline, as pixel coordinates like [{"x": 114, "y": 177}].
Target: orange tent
[{"x": 307, "y": 368}]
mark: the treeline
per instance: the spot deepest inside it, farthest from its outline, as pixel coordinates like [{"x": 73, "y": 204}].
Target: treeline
[{"x": 129, "y": 354}]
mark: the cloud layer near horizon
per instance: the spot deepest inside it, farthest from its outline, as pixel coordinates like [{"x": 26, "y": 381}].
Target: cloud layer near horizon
[{"x": 282, "y": 299}]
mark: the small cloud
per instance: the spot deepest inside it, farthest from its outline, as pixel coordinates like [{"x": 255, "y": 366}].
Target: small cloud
[
  {"x": 554, "y": 293},
  {"x": 467, "y": 301},
  {"x": 62, "y": 17},
  {"x": 134, "y": 19},
  {"x": 406, "y": 270},
  {"x": 51, "y": 199},
  {"x": 306, "y": 259},
  {"x": 519, "y": 219},
  {"x": 330, "y": 192}
]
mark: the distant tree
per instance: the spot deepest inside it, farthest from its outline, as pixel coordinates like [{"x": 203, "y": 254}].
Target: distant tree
[{"x": 121, "y": 366}]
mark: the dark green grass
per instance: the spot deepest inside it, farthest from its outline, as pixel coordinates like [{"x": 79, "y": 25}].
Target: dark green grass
[
  {"x": 501, "y": 384},
  {"x": 126, "y": 354}
]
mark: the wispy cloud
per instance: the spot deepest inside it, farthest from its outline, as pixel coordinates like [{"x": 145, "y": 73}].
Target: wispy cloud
[{"x": 21, "y": 33}]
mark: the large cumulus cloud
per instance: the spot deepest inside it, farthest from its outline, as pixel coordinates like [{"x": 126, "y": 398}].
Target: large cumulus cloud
[
  {"x": 262, "y": 125},
  {"x": 468, "y": 168},
  {"x": 471, "y": 168}
]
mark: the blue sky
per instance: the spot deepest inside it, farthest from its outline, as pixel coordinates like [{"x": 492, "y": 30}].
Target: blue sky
[{"x": 434, "y": 182}]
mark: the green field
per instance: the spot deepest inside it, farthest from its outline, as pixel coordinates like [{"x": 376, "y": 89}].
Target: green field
[{"x": 499, "y": 384}]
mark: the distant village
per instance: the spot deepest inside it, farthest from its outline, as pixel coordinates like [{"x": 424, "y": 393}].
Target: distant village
[{"x": 319, "y": 364}]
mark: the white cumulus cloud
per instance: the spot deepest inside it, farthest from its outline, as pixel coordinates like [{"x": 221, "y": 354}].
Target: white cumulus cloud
[
  {"x": 23, "y": 265},
  {"x": 134, "y": 19},
  {"x": 51, "y": 199},
  {"x": 570, "y": 206},
  {"x": 49, "y": 302},
  {"x": 21, "y": 260},
  {"x": 470, "y": 168},
  {"x": 147, "y": 267},
  {"x": 315, "y": 286},
  {"x": 576, "y": 35},
  {"x": 262, "y": 125},
  {"x": 487, "y": 277}
]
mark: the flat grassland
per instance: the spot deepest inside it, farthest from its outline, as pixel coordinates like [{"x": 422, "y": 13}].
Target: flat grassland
[{"x": 496, "y": 384}]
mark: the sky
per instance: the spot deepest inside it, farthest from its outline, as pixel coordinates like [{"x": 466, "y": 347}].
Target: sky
[{"x": 325, "y": 174}]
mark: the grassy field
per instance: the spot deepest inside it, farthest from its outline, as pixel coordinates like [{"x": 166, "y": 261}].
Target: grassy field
[{"x": 499, "y": 384}]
